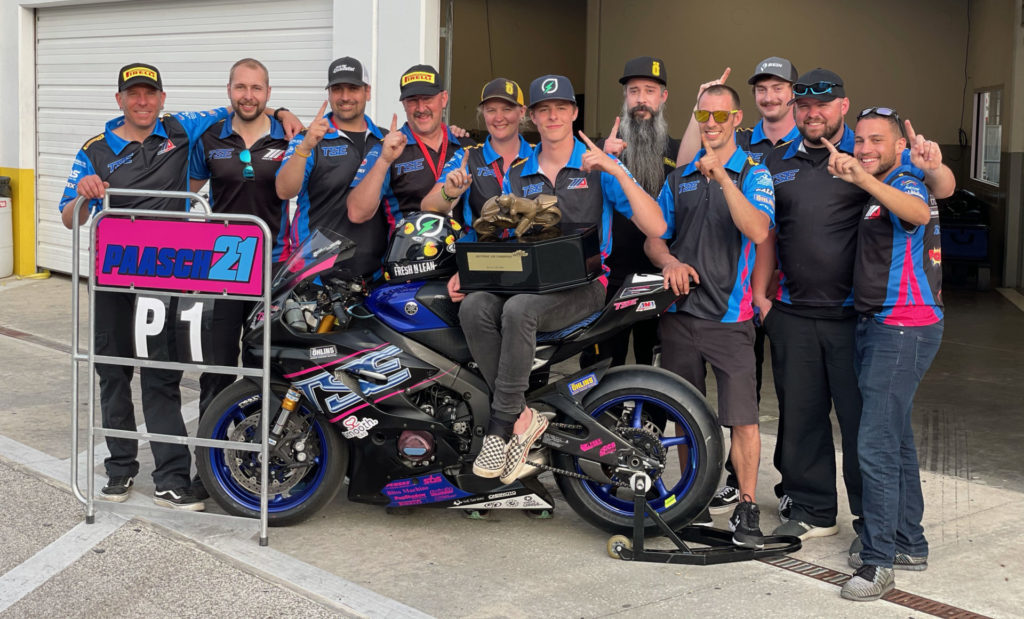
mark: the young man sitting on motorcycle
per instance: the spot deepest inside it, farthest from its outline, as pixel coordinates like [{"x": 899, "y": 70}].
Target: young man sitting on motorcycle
[{"x": 501, "y": 330}]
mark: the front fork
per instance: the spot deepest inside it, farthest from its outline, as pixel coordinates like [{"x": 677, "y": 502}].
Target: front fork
[{"x": 288, "y": 405}]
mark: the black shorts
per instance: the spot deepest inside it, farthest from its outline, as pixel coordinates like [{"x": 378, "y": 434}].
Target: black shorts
[{"x": 687, "y": 343}]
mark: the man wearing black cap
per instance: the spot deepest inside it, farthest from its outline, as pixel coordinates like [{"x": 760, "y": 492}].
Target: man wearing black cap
[
  {"x": 139, "y": 150},
  {"x": 400, "y": 171},
  {"x": 475, "y": 173},
  {"x": 812, "y": 333},
  {"x": 640, "y": 139},
  {"x": 502, "y": 330},
  {"x": 321, "y": 164}
]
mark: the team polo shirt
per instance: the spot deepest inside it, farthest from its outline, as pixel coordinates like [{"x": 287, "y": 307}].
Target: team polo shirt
[
  {"x": 757, "y": 144},
  {"x": 326, "y": 182},
  {"x": 898, "y": 274},
  {"x": 486, "y": 167},
  {"x": 704, "y": 236},
  {"x": 159, "y": 162},
  {"x": 412, "y": 174},
  {"x": 816, "y": 219},
  {"x": 630, "y": 257},
  {"x": 215, "y": 156},
  {"x": 585, "y": 198}
]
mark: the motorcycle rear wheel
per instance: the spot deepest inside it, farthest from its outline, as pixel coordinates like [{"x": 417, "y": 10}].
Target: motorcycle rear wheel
[
  {"x": 232, "y": 479},
  {"x": 682, "y": 491}
]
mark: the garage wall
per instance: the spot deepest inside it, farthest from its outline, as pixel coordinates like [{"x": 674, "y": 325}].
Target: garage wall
[
  {"x": 194, "y": 43},
  {"x": 907, "y": 54}
]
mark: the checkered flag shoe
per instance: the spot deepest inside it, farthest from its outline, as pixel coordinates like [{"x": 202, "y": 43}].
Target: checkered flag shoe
[
  {"x": 491, "y": 458},
  {"x": 519, "y": 447}
]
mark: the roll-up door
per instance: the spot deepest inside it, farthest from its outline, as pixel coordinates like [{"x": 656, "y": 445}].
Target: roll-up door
[{"x": 80, "y": 48}]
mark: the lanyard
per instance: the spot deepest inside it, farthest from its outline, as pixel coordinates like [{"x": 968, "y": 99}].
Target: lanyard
[
  {"x": 436, "y": 169},
  {"x": 497, "y": 171}
]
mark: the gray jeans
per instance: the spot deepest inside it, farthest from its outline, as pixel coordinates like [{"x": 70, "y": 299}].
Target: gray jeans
[{"x": 501, "y": 331}]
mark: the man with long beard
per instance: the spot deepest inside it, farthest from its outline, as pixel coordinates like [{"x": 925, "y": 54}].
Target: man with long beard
[{"x": 640, "y": 139}]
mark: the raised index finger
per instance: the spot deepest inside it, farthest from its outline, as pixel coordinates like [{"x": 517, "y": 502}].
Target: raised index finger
[
  {"x": 615, "y": 130},
  {"x": 725, "y": 75},
  {"x": 587, "y": 141},
  {"x": 911, "y": 134},
  {"x": 830, "y": 146},
  {"x": 320, "y": 114}
]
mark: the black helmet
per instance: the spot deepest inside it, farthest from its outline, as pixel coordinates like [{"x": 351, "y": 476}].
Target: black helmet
[{"x": 423, "y": 247}]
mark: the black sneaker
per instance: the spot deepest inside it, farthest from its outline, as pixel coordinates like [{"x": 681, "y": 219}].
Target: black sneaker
[
  {"x": 179, "y": 498},
  {"x": 198, "y": 489},
  {"x": 725, "y": 499},
  {"x": 745, "y": 524},
  {"x": 117, "y": 488}
]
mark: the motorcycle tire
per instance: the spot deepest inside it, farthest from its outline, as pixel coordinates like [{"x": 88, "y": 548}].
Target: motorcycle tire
[
  {"x": 649, "y": 397},
  {"x": 234, "y": 484}
]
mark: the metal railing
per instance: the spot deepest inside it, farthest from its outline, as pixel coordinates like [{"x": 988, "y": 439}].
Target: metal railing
[{"x": 91, "y": 358}]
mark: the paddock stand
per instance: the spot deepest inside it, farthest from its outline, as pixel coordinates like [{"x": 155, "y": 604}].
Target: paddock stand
[{"x": 718, "y": 546}]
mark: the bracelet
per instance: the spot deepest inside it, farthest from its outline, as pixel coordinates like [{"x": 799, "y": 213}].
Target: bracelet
[
  {"x": 299, "y": 153},
  {"x": 447, "y": 198},
  {"x": 278, "y": 111}
]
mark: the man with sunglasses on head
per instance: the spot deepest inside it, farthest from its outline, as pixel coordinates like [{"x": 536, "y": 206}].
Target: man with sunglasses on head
[
  {"x": 812, "y": 319},
  {"x": 139, "y": 150},
  {"x": 718, "y": 208},
  {"x": 239, "y": 156},
  {"x": 321, "y": 163},
  {"x": 399, "y": 172},
  {"x": 897, "y": 289}
]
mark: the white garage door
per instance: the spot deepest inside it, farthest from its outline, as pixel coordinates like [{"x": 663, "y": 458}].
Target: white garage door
[{"x": 194, "y": 43}]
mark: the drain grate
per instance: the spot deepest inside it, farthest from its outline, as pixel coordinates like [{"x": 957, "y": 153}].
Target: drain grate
[{"x": 908, "y": 600}]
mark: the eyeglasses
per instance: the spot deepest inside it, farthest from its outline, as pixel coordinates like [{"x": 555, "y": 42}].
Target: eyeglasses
[
  {"x": 888, "y": 112},
  {"x": 247, "y": 172},
  {"x": 720, "y": 116},
  {"x": 818, "y": 88}
]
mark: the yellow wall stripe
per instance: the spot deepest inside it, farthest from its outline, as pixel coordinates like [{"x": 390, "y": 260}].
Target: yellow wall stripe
[{"x": 23, "y": 201}]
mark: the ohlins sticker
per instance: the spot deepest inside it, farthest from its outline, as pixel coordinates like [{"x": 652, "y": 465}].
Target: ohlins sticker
[
  {"x": 587, "y": 382},
  {"x": 323, "y": 352},
  {"x": 179, "y": 255},
  {"x": 334, "y": 397}
]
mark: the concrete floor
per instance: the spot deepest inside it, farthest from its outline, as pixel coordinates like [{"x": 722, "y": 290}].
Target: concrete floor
[{"x": 352, "y": 559}]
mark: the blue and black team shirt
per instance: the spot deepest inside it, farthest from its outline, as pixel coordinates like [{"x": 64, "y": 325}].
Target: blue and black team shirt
[
  {"x": 488, "y": 170},
  {"x": 585, "y": 198},
  {"x": 326, "y": 181},
  {"x": 215, "y": 156},
  {"x": 816, "y": 219},
  {"x": 702, "y": 234},
  {"x": 898, "y": 273},
  {"x": 412, "y": 174},
  {"x": 757, "y": 144},
  {"x": 159, "y": 162}
]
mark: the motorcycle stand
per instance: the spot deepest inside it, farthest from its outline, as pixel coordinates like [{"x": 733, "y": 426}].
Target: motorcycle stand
[{"x": 718, "y": 545}]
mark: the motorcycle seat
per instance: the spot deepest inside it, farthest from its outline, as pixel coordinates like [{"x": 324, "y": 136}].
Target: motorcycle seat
[{"x": 547, "y": 337}]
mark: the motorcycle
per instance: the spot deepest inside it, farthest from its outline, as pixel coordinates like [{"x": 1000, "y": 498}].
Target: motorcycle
[{"x": 379, "y": 386}]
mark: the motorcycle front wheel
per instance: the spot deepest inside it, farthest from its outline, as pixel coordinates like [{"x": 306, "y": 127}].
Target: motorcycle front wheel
[
  {"x": 670, "y": 419},
  {"x": 297, "y": 489}
]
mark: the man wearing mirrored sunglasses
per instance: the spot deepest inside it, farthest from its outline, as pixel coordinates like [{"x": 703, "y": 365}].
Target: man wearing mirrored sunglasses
[
  {"x": 718, "y": 207},
  {"x": 897, "y": 284},
  {"x": 812, "y": 333},
  {"x": 239, "y": 156}
]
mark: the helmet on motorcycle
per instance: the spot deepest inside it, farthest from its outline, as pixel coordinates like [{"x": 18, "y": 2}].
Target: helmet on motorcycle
[{"x": 422, "y": 247}]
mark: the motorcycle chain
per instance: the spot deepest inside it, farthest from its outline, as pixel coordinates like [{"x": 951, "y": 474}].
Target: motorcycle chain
[{"x": 581, "y": 476}]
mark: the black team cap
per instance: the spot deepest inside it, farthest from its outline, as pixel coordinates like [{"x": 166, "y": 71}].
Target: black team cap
[
  {"x": 347, "y": 70},
  {"x": 774, "y": 67},
  {"x": 817, "y": 76},
  {"x": 138, "y": 73},
  {"x": 645, "y": 66},
  {"x": 501, "y": 88},
  {"x": 421, "y": 79},
  {"x": 551, "y": 88}
]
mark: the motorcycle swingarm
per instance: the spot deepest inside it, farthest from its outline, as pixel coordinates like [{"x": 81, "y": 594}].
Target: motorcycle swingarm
[{"x": 597, "y": 442}]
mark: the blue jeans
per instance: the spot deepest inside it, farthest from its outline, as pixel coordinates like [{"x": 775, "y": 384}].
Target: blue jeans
[{"x": 890, "y": 363}]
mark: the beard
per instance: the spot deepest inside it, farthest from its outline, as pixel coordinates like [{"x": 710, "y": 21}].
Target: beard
[
  {"x": 236, "y": 108},
  {"x": 645, "y": 140}
]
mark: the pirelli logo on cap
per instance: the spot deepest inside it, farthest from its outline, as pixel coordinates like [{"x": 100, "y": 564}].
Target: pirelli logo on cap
[
  {"x": 138, "y": 71},
  {"x": 418, "y": 76}
]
